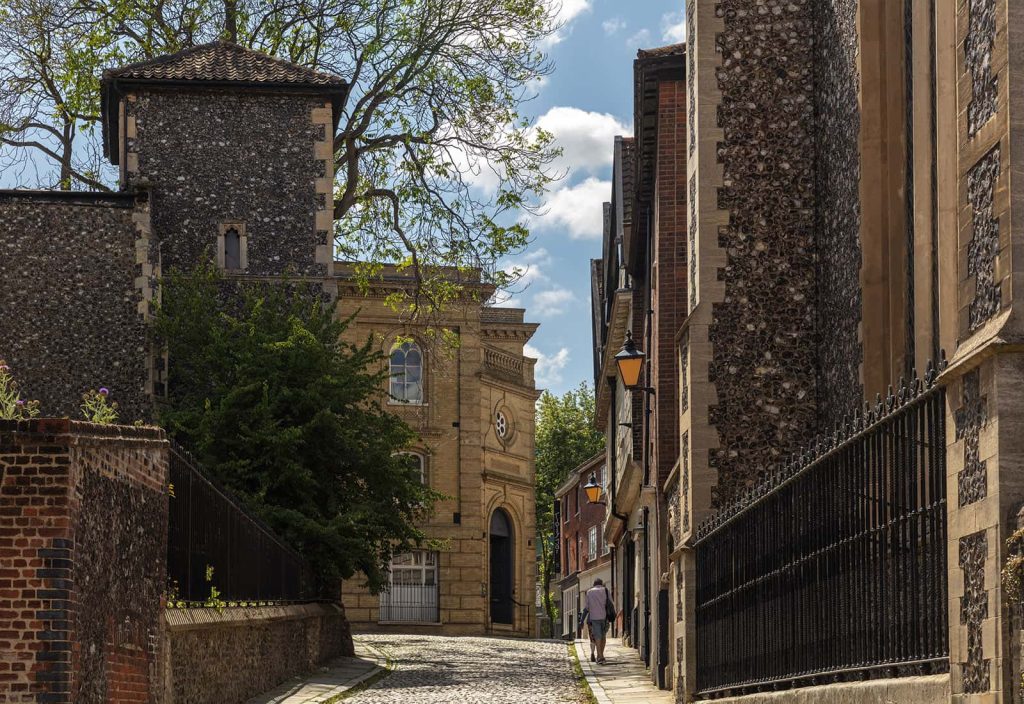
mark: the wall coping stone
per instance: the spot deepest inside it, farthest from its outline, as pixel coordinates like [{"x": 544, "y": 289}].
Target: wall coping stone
[
  {"x": 926, "y": 689},
  {"x": 202, "y": 618},
  {"x": 56, "y": 427}
]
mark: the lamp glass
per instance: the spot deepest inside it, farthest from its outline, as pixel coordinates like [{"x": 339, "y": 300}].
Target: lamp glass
[
  {"x": 629, "y": 369},
  {"x": 593, "y": 490}
]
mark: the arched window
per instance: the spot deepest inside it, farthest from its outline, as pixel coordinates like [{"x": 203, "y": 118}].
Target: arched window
[
  {"x": 418, "y": 461},
  {"x": 407, "y": 373},
  {"x": 232, "y": 249}
]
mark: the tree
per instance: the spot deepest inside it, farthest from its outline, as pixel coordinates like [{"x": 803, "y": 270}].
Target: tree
[
  {"x": 435, "y": 162},
  {"x": 291, "y": 419},
  {"x": 567, "y": 436}
]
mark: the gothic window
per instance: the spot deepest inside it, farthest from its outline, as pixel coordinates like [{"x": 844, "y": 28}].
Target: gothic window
[
  {"x": 232, "y": 249},
  {"x": 407, "y": 373},
  {"x": 501, "y": 424}
]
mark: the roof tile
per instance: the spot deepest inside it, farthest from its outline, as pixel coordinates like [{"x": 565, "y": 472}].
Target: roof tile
[{"x": 223, "y": 61}]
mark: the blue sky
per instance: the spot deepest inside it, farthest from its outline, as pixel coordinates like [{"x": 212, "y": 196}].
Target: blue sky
[{"x": 585, "y": 103}]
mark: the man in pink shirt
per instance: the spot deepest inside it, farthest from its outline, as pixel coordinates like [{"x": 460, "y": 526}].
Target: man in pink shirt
[{"x": 598, "y": 617}]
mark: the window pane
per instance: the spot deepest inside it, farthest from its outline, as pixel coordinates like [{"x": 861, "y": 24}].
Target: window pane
[
  {"x": 413, "y": 392},
  {"x": 232, "y": 250}
]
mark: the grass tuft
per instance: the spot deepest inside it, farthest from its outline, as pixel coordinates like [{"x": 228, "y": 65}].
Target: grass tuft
[{"x": 581, "y": 679}]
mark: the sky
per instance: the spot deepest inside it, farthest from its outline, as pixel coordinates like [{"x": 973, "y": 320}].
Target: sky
[{"x": 585, "y": 103}]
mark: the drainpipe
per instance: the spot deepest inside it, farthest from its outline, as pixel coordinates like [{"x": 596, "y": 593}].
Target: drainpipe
[{"x": 613, "y": 433}]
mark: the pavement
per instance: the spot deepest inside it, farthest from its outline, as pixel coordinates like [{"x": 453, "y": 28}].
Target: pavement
[
  {"x": 330, "y": 681},
  {"x": 622, "y": 679}
]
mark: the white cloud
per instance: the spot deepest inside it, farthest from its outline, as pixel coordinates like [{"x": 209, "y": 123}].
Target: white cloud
[
  {"x": 673, "y": 27},
  {"x": 552, "y": 302},
  {"x": 639, "y": 40},
  {"x": 529, "y": 268},
  {"x": 565, "y": 12},
  {"x": 586, "y": 138},
  {"x": 575, "y": 209},
  {"x": 613, "y": 25},
  {"x": 549, "y": 368}
]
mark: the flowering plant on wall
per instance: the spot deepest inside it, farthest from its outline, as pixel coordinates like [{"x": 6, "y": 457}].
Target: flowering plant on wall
[
  {"x": 97, "y": 409},
  {"x": 12, "y": 406}
]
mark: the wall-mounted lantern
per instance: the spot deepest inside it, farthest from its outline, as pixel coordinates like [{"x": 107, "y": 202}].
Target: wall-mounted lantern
[
  {"x": 630, "y": 362},
  {"x": 593, "y": 490}
]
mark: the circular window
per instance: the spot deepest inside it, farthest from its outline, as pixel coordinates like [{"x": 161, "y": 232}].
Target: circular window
[{"x": 501, "y": 424}]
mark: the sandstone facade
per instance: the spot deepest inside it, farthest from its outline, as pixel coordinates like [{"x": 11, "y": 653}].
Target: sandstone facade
[{"x": 480, "y": 468}]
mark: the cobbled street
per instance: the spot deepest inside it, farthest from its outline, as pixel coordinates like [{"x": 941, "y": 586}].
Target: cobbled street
[{"x": 449, "y": 670}]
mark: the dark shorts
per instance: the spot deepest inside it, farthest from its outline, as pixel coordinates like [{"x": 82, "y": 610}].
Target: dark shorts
[{"x": 598, "y": 629}]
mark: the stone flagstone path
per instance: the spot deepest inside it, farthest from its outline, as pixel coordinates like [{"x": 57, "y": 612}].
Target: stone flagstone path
[{"x": 622, "y": 679}]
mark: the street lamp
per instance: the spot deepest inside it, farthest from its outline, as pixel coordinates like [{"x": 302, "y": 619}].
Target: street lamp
[
  {"x": 593, "y": 490},
  {"x": 630, "y": 362}
]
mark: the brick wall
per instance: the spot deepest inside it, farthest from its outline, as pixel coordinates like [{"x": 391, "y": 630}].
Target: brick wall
[
  {"x": 75, "y": 273},
  {"x": 670, "y": 256},
  {"x": 75, "y": 500},
  {"x": 231, "y": 656}
]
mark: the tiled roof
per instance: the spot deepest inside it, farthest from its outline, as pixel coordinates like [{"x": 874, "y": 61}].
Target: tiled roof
[
  {"x": 670, "y": 50},
  {"x": 223, "y": 61}
]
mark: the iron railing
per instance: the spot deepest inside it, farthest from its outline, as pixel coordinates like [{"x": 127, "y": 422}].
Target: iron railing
[
  {"x": 835, "y": 566},
  {"x": 209, "y": 529},
  {"x": 410, "y": 603}
]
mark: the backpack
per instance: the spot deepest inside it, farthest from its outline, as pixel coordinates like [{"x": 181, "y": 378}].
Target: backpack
[{"x": 609, "y": 607}]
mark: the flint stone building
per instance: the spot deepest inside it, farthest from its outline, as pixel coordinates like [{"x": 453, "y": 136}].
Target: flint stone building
[
  {"x": 837, "y": 211},
  {"x": 227, "y": 153}
]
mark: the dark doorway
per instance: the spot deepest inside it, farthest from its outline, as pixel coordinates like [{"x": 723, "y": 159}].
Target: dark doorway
[{"x": 501, "y": 567}]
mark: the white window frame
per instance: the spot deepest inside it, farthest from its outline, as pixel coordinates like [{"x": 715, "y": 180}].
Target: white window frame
[
  {"x": 592, "y": 544},
  {"x": 398, "y": 388}
]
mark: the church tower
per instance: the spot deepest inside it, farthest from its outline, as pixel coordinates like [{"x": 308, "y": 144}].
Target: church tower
[{"x": 236, "y": 150}]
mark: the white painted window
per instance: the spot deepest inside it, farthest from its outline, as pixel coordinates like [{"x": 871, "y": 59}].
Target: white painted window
[
  {"x": 407, "y": 373},
  {"x": 592, "y": 544}
]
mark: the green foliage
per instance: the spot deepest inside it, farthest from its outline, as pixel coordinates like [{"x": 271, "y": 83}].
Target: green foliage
[
  {"x": 291, "y": 419},
  {"x": 12, "y": 405},
  {"x": 213, "y": 601},
  {"x": 435, "y": 163},
  {"x": 567, "y": 436},
  {"x": 97, "y": 409}
]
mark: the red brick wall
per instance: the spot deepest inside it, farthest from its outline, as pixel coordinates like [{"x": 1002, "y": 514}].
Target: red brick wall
[
  {"x": 83, "y": 520},
  {"x": 578, "y": 526},
  {"x": 670, "y": 271}
]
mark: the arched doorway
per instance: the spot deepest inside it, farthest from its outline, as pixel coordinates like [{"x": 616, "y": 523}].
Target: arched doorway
[{"x": 502, "y": 572}]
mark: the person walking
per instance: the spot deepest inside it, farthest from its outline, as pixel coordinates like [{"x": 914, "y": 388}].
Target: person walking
[{"x": 600, "y": 612}]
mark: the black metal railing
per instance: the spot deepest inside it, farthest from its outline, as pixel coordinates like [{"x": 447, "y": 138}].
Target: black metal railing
[
  {"x": 835, "y": 566},
  {"x": 209, "y": 530}
]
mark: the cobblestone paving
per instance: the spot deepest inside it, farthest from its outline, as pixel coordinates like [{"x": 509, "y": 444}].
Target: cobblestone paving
[{"x": 448, "y": 670}]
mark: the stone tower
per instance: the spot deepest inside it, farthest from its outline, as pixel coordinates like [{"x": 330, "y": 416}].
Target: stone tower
[{"x": 235, "y": 148}]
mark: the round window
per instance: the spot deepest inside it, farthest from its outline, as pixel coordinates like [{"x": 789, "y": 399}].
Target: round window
[{"x": 501, "y": 424}]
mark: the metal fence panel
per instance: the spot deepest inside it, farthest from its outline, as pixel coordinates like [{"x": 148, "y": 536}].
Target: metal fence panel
[
  {"x": 834, "y": 567},
  {"x": 209, "y": 529}
]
